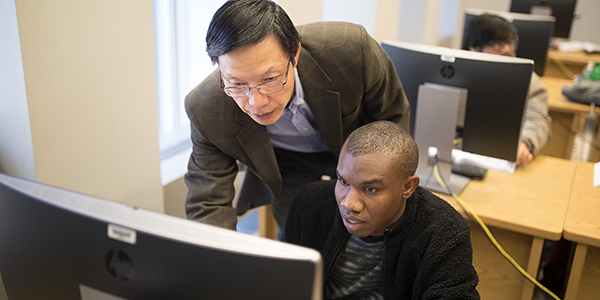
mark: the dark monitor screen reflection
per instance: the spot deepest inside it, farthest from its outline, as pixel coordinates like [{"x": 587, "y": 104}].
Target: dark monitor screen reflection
[
  {"x": 495, "y": 88},
  {"x": 57, "y": 244},
  {"x": 562, "y": 10},
  {"x": 535, "y": 33}
]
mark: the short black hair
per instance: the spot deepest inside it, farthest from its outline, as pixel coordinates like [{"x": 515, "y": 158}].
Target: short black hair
[
  {"x": 240, "y": 23},
  {"x": 387, "y": 139},
  {"x": 488, "y": 29}
]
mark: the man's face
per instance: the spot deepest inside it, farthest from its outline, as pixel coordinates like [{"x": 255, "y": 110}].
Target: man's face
[
  {"x": 369, "y": 192},
  {"x": 260, "y": 63}
]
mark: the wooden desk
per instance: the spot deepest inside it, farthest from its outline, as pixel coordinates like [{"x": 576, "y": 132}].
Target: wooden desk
[
  {"x": 521, "y": 210},
  {"x": 574, "y": 57},
  {"x": 566, "y": 112},
  {"x": 574, "y": 61},
  {"x": 582, "y": 225}
]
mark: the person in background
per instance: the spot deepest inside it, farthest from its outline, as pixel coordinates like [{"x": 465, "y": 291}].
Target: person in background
[
  {"x": 493, "y": 34},
  {"x": 380, "y": 234},
  {"x": 281, "y": 103}
]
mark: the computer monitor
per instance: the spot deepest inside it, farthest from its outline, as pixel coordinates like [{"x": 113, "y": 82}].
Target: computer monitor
[
  {"x": 58, "y": 244},
  {"x": 562, "y": 10},
  {"x": 494, "y": 88},
  {"x": 534, "y": 32}
]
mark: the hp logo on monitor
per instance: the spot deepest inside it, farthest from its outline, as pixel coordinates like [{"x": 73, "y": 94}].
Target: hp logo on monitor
[
  {"x": 119, "y": 265},
  {"x": 447, "y": 71}
]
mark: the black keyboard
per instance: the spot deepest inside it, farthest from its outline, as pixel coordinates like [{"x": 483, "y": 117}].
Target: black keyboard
[{"x": 469, "y": 170}]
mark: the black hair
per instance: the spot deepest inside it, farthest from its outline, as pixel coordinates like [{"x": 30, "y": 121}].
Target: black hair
[
  {"x": 388, "y": 139},
  {"x": 240, "y": 23},
  {"x": 487, "y": 29}
]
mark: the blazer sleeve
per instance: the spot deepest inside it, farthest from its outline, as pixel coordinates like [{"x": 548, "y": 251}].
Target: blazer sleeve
[{"x": 211, "y": 172}]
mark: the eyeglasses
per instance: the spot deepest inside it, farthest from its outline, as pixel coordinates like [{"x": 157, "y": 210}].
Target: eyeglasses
[
  {"x": 499, "y": 46},
  {"x": 264, "y": 88}
]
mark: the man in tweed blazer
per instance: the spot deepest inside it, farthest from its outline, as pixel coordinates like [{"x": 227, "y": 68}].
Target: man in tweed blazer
[{"x": 332, "y": 77}]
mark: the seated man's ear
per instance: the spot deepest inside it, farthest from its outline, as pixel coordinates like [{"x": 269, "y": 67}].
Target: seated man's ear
[{"x": 410, "y": 184}]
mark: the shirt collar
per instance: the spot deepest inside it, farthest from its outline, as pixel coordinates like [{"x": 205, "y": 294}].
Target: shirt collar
[{"x": 299, "y": 97}]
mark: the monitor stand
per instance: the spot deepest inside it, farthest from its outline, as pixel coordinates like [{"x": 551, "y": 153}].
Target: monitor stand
[{"x": 440, "y": 110}]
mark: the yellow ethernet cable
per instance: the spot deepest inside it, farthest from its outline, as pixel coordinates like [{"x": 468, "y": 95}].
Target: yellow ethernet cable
[{"x": 486, "y": 231}]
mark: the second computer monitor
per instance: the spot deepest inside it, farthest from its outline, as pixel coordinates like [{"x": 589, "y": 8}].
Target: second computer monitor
[
  {"x": 562, "y": 10},
  {"x": 496, "y": 85},
  {"x": 535, "y": 33}
]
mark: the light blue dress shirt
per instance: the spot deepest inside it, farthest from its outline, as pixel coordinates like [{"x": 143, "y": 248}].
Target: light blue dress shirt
[{"x": 296, "y": 130}]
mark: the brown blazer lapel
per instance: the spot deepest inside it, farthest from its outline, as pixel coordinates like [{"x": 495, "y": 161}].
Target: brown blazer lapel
[
  {"x": 323, "y": 102},
  {"x": 255, "y": 141}
]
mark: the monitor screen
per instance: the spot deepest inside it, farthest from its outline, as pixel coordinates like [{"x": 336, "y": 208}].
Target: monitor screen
[
  {"x": 534, "y": 32},
  {"x": 562, "y": 10},
  {"x": 58, "y": 244},
  {"x": 496, "y": 91}
]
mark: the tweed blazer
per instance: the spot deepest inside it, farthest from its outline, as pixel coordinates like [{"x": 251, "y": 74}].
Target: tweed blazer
[{"x": 348, "y": 81}]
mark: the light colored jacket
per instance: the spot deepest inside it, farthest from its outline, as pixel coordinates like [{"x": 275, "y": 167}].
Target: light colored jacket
[{"x": 536, "y": 129}]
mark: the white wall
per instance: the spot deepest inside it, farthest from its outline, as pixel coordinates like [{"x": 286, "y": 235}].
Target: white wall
[
  {"x": 381, "y": 21},
  {"x": 303, "y": 12},
  {"x": 418, "y": 21},
  {"x": 387, "y": 20},
  {"x": 86, "y": 114},
  {"x": 16, "y": 150},
  {"x": 356, "y": 11},
  {"x": 586, "y": 27}
]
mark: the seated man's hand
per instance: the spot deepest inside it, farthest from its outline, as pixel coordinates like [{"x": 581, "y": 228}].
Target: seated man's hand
[{"x": 523, "y": 156}]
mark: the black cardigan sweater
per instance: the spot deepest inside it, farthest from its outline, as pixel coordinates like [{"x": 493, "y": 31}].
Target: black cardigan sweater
[{"x": 427, "y": 252}]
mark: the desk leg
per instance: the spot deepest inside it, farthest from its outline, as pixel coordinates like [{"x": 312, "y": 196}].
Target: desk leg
[
  {"x": 535, "y": 255},
  {"x": 595, "y": 156},
  {"x": 267, "y": 226},
  {"x": 576, "y": 270},
  {"x": 577, "y": 126}
]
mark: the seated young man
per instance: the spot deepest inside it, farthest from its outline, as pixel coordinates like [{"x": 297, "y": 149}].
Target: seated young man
[
  {"x": 495, "y": 35},
  {"x": 381, "y": 235}
]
